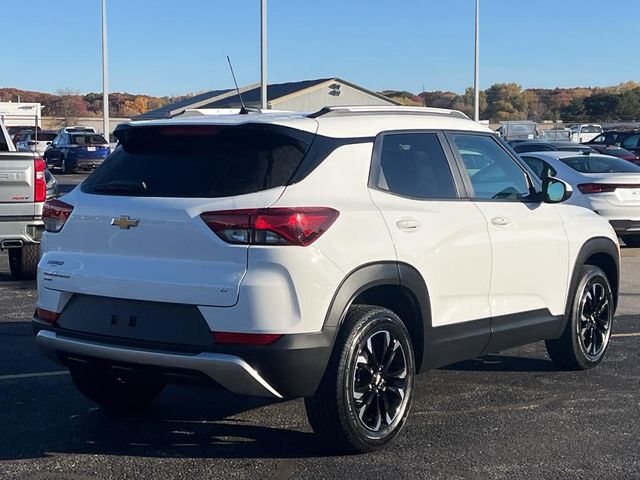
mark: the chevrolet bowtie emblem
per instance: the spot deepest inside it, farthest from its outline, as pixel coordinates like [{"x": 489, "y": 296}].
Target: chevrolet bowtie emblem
[{"x": 125, "y": 223}]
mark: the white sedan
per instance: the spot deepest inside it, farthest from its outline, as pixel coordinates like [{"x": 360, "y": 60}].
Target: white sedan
[{"x": 608, "y": 185}]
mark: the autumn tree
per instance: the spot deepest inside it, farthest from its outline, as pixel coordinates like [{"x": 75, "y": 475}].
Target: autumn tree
[{"x": 505, "y": 102}]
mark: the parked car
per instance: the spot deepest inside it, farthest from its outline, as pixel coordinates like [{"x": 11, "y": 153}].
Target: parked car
[
  {"x": 556, "y": 134},
  {"x": 36, "y": 142},
  {"x": 321, "y": 256},
  {"x": 542, "y": 146},
  {"x": 607, "y": 185},
  {"x": 616, "y": 152},
  {"x": 76, "y": 151},
  {"x": 627, "y": 139},
  {"x": 585, "y": 133},
  {"x": 518, "y": 130},
  {"x": 77, "y": 129},
  {"x": 23, "y": 191}
]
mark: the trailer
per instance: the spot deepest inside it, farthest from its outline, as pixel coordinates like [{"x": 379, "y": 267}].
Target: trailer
[{"x": 21, "y": 115}]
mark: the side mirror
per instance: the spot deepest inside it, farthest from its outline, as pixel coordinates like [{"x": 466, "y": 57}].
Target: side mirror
[{"x": 555, "y": 190}]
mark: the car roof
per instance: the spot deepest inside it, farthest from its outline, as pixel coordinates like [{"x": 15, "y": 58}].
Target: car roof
[{"x": 339, "y": 122}]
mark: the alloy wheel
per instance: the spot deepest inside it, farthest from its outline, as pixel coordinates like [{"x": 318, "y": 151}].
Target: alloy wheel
[
  {"x": 594, "y": 325},
  {"x": 380, "y": 381}
]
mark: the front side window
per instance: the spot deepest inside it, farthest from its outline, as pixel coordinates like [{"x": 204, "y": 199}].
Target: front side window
[
  {"x": 501, "y": 178},
  {"x": 414, "y": 165}
]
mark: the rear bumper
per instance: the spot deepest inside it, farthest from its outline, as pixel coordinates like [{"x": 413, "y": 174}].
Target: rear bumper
[
  {"x": 291, "y": 367},
  {"x": 230, "y": 371},
  {"x": 623, "y": 227},
  {"x": 88, "y": 163},
  {"x": 16, "y": 229}
]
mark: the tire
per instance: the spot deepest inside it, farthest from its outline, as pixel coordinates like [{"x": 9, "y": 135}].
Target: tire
[
  {"x": 115, "y": 393},
  {"x": 585, "y": 339},
  {"x": 347, "y": 409},
  {"x": 632, "y": 241},
  {"x": 23, "y": 262}
]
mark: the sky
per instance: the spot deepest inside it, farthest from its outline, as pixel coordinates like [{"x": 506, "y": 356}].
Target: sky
[{"x": 173, "y": 47}]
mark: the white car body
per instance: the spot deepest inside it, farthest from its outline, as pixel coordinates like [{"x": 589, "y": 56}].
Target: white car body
[
  {"x": 30, "y": 144},
  {"x": 480, "y": 260},
  {"x": 620, "y": 204},
  {"x": 585, "y": 133}
]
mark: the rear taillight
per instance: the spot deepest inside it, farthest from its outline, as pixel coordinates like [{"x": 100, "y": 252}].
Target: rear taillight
[
  {"x": 587, "y": 188},
  {"x": 245, "y": 338},
  {"x": 55, "y": 214},
  {"x": 271, "y": 226},
  {"x": 39, "y": 182},
  {"x": 47, "y": 315}
]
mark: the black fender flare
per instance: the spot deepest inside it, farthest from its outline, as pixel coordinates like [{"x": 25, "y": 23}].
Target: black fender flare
[
  {"x": 593, "y": 246},
  {"x": 384, "y": 273}
]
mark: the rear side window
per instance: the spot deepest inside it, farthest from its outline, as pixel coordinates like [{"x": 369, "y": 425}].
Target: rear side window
[
  {"x": 631, "y": 142},
  {"x": 414, "y": 165},
  {"x": 591, "y": 129},
  {"x": 200, "y": 161}
]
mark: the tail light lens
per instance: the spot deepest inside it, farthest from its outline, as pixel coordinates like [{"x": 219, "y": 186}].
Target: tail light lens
[
  {"x": 271, "y": 226},
  {"x": 55, "y": 214},
  {"x": 588, "y": 188},
  {"x": 227, "y": 338},
  {"x": 47, "y": 315},
  {"x": 39, "y": 182}
]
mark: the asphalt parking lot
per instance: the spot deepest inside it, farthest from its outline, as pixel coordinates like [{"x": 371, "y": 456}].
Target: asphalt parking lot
[{"x": 504, "y": 416}]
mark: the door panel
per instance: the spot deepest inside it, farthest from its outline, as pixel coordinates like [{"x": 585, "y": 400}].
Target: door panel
[
  {"x": 530, "y": 251},
  {"x": 441, "y": 235},
  {"x": 530, "y": 257}
]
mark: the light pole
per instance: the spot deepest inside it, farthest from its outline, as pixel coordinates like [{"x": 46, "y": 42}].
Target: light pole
[
  {"x": 263, "y": 54},
  {"x": 476, "y": 68},
  {"x": 105, "y": 74}
]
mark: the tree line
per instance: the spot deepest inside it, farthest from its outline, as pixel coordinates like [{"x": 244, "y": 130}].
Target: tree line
[
  {"x": 508, "y": 101},
  {"x": 68, "y": 103}
]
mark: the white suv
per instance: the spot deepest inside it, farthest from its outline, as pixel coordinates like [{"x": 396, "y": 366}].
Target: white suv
[{"x": 330, "y": 256}]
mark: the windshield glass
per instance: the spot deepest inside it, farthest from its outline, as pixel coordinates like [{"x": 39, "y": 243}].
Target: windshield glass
[
  {"x": 88, "y": 140},
  {"x": 200, "y": 161},
  {"x": 600, "y": 164}
]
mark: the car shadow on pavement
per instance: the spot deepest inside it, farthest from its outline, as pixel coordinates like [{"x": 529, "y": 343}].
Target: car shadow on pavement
[
  {"x": 503, "y": 363},
  {"x": 183, "y": 423}
]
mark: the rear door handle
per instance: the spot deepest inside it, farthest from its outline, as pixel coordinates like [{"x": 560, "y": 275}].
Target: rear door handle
[
  {"x": 500, "y": 220},
  {"x": 408, "y": 224}
]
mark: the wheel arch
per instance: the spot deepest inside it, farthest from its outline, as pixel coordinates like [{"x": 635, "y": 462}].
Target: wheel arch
[
  {"x": 600, "y": 252},
  {"x": 393, "y": 285}
]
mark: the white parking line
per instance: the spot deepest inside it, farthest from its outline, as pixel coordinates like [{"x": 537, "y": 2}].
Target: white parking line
[
  {"x": 34, "y": 375},
  {"x": 635, "y": 334}
]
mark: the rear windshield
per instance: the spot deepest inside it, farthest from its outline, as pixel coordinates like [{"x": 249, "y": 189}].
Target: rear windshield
[
  {"x": 88, "y": 140},
  {"x": 593, "y": 164},
  {"x": 200, "y": 161},
  {"x": 45, "y": 137},
  {"x": 591, "y": 129}
]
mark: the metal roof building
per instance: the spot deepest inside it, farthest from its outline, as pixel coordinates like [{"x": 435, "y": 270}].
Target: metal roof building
[{"x": 303, "y": 96}]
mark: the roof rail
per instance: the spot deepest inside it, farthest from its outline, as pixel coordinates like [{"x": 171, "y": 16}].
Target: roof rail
[{"x": 386, "y": 110}]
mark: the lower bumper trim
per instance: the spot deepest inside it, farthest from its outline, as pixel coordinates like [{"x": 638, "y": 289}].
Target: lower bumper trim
[
  {"x": 230, "y": 371},
  {"x": 626, "y": 226}
]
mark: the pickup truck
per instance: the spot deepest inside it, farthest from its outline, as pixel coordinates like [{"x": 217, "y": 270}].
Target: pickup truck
[{"x": 23, "y": 191}]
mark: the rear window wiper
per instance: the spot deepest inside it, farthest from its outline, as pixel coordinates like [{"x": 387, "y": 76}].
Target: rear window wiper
[{"x": 121, "y": 186}]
